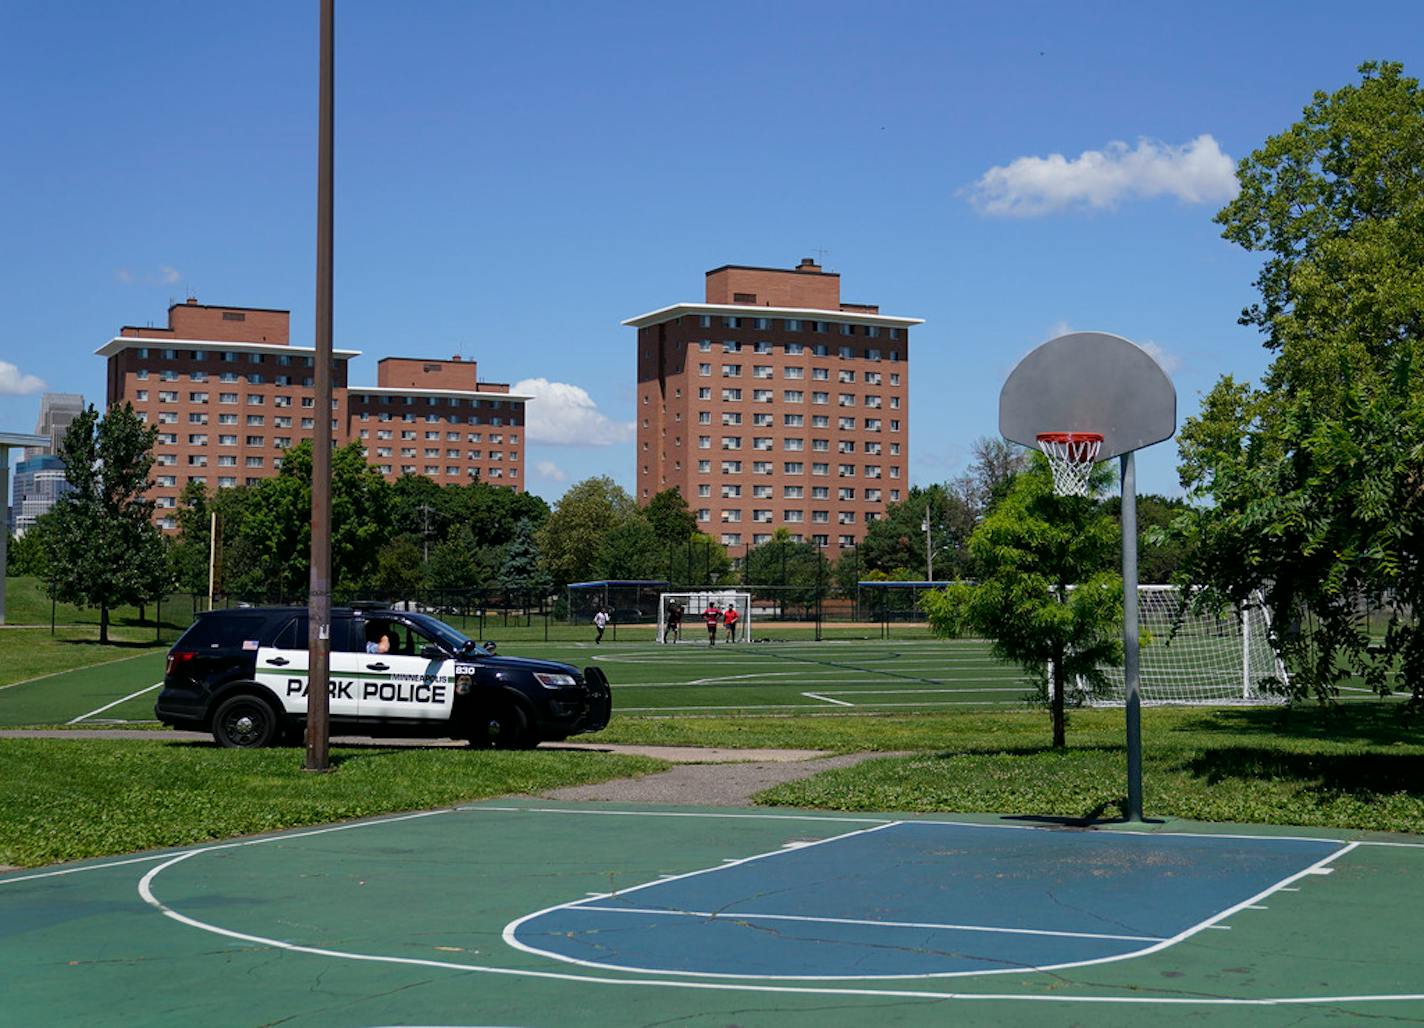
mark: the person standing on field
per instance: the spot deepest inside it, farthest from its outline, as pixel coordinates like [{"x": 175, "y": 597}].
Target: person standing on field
[
  {"x": 713, "y": 616},
  {"x": 600, "y": 622},
  {"x": 730, "y": 620},
  {"x": 673, "y": 631}
]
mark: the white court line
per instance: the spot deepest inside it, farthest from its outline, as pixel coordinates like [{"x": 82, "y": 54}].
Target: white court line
[
  {"x": 110, "y": 706},
  {"x": 724, "y": 915},
  {"x": 736, "y": 678},
  {"x": 803, "y": 706},
  {"x": 826, "y": 699},
  {"x": 813, "y": 680}
]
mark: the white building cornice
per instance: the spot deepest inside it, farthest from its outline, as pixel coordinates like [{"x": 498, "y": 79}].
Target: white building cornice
[{"x": 678, "y": 310}]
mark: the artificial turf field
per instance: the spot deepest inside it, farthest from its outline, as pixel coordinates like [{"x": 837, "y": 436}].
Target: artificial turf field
[
  {"x": 534, "y": 913},
  {"x": 786, "y": 677}
]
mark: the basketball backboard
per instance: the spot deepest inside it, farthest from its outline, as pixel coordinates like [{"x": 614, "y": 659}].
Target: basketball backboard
[{"x": 1089, "y": 382}]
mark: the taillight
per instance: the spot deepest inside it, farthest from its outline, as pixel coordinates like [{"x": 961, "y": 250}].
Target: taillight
[{"x": 178, "y": 657}]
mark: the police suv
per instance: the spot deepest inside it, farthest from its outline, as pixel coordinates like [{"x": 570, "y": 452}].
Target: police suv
[{"x": 242, "y": 675}]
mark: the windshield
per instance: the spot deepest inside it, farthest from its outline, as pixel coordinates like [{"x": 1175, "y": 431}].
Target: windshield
[{"x": 442, "y": 633}]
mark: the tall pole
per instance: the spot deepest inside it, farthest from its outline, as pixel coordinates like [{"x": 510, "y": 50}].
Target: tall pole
[
  {"x": 319, "y": 600},
  {"x": 929, "y": 551},
  {"x": 212, "y": 553},
  {"x": 1129, "y": 637}
]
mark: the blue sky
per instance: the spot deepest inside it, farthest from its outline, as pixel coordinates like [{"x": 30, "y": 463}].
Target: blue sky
[{"x": 515, "y": 179}]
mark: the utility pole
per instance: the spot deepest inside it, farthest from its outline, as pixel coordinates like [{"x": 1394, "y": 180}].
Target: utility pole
[
  {"x": 212, "y": 554},
  {"x": 929, "y": 550},
  {"x": 425, "y": 532},
  {"x": 319, "y": 598}
]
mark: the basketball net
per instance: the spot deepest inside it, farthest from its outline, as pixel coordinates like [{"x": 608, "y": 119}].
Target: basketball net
[{"x": 1071, "y": 456}]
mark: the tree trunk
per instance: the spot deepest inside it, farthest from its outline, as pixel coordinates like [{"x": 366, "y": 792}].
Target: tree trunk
[
  {"x": 141, "y": 607},
  {"x": 1059, "y": 735},
  {"x": 103, "y": 624}
]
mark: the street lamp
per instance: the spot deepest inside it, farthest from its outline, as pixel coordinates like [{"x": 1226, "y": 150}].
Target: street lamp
[{"x": 929, "y": 552}]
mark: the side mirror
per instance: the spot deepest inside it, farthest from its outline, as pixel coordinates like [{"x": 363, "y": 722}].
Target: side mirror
[{"x": 431, "y": 652}]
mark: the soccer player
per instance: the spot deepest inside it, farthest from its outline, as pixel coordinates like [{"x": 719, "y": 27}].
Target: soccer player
[
  {"x": 713, "y": 616},
  {"x": 730, "y": 620}
]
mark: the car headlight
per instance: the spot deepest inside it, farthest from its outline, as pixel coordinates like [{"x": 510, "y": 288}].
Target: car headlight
[{"x": 549, "y": 681}]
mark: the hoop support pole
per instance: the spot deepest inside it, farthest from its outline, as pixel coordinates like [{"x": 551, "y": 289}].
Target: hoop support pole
[{"x": 1131, "y": 677}]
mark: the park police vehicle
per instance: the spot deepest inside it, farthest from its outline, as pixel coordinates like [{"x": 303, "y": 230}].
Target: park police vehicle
[{"x": 242, "y": 675}]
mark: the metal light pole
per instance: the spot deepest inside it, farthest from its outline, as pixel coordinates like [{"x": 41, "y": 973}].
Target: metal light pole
[
  {"x": 1131, "y": 677},
  {"x": 319, "y": 599},
  {"x": 929, "y": 552}
]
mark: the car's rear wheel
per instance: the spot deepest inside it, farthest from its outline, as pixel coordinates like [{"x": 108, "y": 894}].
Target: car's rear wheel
[
  {"x": 503, "y": 726},
  {"x": 244, "y": 722}
]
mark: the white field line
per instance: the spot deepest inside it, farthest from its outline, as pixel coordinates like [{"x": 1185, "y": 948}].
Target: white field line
[
  {"x": 747, "y": 681},
  {"x": 110, "y": 706},
  {"x": 805, "y": 706},
  {"x": 66, "y": 671},
  {"x": 827, "y": 699},
  {"x": 749, "y": 915}
]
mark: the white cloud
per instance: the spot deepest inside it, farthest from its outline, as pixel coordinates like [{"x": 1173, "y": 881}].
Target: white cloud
[
  {"x": 14, "y": 382},
  {"x": 1170, "y": 361},
  {"x": 1058, "y": 328},
  {"x": 548, "y": 469},
  {"x": 166, "y": 275},
  {"x": 1196, "y": 172},
  {"x": 565, "y": 415}
]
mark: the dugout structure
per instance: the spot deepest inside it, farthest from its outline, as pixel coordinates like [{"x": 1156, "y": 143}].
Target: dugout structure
[
  {"x": 628, "y": 601},
  {"x": 1192, "y": 657},
  {"x": 694, "y": 602}
]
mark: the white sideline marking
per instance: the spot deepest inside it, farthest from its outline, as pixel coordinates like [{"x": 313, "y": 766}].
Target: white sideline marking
[
  {"x": 724, "y": 915},
  {"x": 109, "y": 706},
  {"x": 826, "y": 699},
  {"x": 737, "y": 678}
]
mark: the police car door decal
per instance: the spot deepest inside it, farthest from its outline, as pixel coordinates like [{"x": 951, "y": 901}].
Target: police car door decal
[
  {"x": 415, "y": 687},
  {"x": 285, "y": 673}
]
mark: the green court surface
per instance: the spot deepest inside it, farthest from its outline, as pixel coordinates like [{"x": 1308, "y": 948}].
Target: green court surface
[
  {"x": 121, "y": 689},
  {"x": 415, "y": 919}
]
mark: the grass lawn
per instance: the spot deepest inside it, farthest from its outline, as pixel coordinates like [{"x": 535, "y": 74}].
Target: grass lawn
[
  {"x": 27, "y": 603},
  {"x": 65, "y": 800},
  {"x": 27, "y": 653},
  {"x": 1357, "y": 766}
]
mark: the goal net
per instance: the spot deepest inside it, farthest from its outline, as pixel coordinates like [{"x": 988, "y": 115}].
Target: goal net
[
  {"x": 1212, "y": 657},
  {"x": 694, "y": 625}
]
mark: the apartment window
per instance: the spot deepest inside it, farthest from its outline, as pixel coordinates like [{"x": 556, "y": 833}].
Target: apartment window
[
  {"x": 894, "y": 449},
  {"x": 794, "y": 516},
  {"x": 872, "y": 495},
  {"x": 761, "y": 516},
  {"x": 795, "y": 349},
  {"x": 704, "y": 490},
  {"x": 141, "y": 374},
  {"x": 731, "y": 442},
  {"x": 894, "y": 425},
  {"x": 197, "y": 460},
  {"x": 730, "y": 322},
  {"x": 762, "y": 492},
  {"x": 845, "y": 517},
  {"x": 761, "y": 324},
  {"x": 794, "y": 467},
  {"x": 254, "y": 462},
  {"x": 762, "y": 420},
  {"x": 845, "y": 446},
  {"x": 845, "y": 375},
  {"x": 731, "y": 394},
  {"x": 731, "y": 515},
  {"x": 197, "y": 418},
  {"x": 141, "y": 395},
  {"x": 820, "y": 492},
  {"x": 872, "y": 471},
  {"x": 170, "y": 355},
  {"x": 731, "y": 467},
  {"x": 227, "y": 397},
  {"x": 820, "y": 469},
  {"x": 793, "y": 396},
  {"x": 762, "y": 467},
  {"x": 820, "y": 421},
  {"x": 705, "y": 346},
  {"x": 704, "y": 466},
  {"x": 705, "y": 370},
  {"x": 761, "y": 371},
  {"x": 821, "y": 517},
  {"x": 820, "y": 350},
  {"x": 731, "y": 346},
  {"x": 847, "y": 540},
  {"x": 872, "y": 402},
  {"x": 821, "y": 445},
  {"x": 731, "y": 418},
  {"x": 704, "y": 417},
  {"x": 705, "y": 320},
  {"x": 166, "y": 480},
  {"x": 820, "y": 326},
  {"x": 844, "y": 493},
  {"x": 731, "y": 492},
  {"x": 254, "y": 440},
  {"x": 894, "y": 378},
  {"x": 894, "y": 471},
  {"x": 845, "y": 400},
  {"x": 227, "y": 440},
  {"x": 704, "y": 393},
  {"x": 763, "y": 346},
  {"x": 894, "y": 403},
  {"x": 731, "y": 539},
  {"x": 227, "y": 460},
  {"x": 793, "y": 492},
  {"x": 791, "y": 444},
  {"x": 792, "y": 324},
  {"x": 704, "y": 514},
  {"x": 167, "y": 396},
  {"x": 820, "y": 397},
  {"x": 793, "y": 372},
  {"x": 872, "y": 447},
  {"x": 761, "y": 442},
  {"x": 198, "y": 439},
  {"x": 197, "y": 397},
  {"x": 793, "y": 420},
  {"x": 762, "y": 395},
  {"x": 820, "y": 374},
  {"x": 168, "y": 417}
]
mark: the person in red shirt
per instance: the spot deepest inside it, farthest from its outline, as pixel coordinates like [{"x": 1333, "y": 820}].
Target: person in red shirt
[
  {"x": 730, "y": 620},
  {"x": 713, "y": 616}
]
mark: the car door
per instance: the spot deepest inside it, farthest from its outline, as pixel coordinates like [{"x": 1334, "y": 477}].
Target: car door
[
  {"x": 283, "y": 668},
  {"x": 414, "y": 686}
]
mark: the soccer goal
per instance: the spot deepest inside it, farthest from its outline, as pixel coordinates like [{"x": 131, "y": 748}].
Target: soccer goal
[
  {"x": 694, "y": 605},
  {"x": 1213, "y": 657}
]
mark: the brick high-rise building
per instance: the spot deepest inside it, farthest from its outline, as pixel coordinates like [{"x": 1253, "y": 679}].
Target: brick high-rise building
[
  {"x": 229, "y": 393},
  {"x": 774, "y": 404}
]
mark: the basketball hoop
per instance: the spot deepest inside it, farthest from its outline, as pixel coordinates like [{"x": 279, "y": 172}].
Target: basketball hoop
[{"x": 1071, "y": 456}]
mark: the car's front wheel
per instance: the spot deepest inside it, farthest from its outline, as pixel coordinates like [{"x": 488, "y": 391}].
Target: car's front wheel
[
  {"x": 244, "y": 722},
  {"x": 503, "y": 726}
]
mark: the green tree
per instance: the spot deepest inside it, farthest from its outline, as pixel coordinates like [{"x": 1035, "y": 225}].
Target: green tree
[
  {"x": 1029, "y": 549},
  {"x": 790, "y": 571},
  {"x": 26, "y": 555},
  {"x": 399, "y": 570},
  {"x": 188, "y": 550},
  {"x": 571, "y": 539},
  {"x": 895, "y": 543},
  {"x": 1309, "y": 486},
  {"x": 460, "y": 563},
  {"x": 521, "y": 571},
  {"x": 1160, "y": 552},
  {"x": 103, "y": 547},
  {"x": 631, "y": 550},
  {"x": 673, "y": 522}
]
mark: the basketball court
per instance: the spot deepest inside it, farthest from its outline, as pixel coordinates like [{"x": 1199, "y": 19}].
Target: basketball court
[{"x": 524, "y": 912}]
